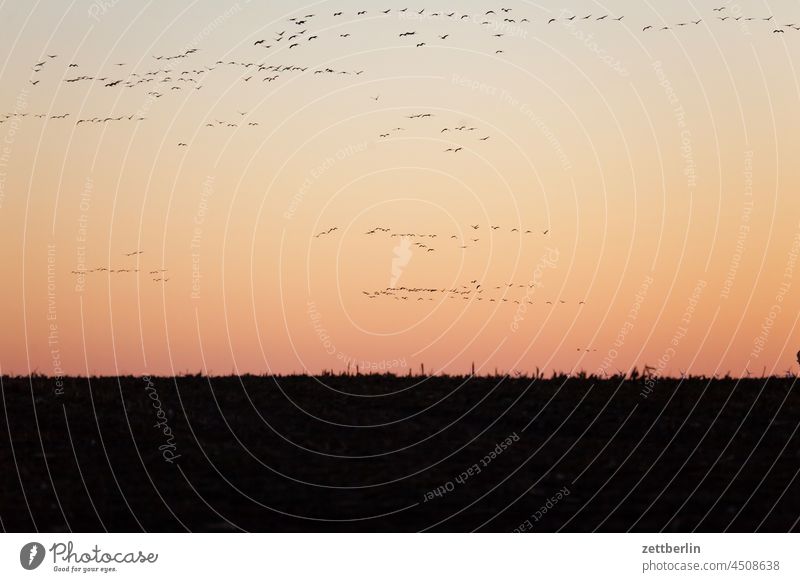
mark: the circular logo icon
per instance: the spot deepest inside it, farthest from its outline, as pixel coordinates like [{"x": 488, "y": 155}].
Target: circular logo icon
[{"x": 31, "y": 555}]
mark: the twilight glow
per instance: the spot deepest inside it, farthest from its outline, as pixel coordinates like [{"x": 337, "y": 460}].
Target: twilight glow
[{"x": 281, "y": 189}]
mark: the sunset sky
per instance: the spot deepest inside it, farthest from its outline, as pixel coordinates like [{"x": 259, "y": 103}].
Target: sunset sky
[{"x": 662, "y": 165}]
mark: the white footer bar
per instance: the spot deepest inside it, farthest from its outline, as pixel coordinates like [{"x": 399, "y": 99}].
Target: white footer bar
[{"x": 399, "y": 557}]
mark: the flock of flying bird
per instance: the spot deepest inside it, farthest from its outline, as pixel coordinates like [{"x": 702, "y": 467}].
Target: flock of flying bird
[
  {"x": 488, "y": 18},
  {"x": 458, "y": 130},
  {"x": 722, "y": 17},
  {"x": 173, "y": 73},
  {"x": 162, "y": 278},
  {"x": 161, "y": 81},
  {"x": 473, "y": 229},
  {"x": 298, "y": 31},
  {"x": 21, "y": 114},
  {"x": 474, "y": 291}
]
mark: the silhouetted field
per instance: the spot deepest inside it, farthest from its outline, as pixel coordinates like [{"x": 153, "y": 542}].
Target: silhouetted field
[{"x": 385, "y": 453}]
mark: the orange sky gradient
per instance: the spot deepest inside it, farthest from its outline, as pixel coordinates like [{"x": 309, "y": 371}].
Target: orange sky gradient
[{"x": 662, "y": 165}]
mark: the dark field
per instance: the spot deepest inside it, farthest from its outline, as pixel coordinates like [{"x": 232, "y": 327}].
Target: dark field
[{"x": 363, "y": 453}]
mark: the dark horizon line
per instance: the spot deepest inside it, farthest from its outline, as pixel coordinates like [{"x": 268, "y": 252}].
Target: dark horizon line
[{"x": 631, "y": 376}]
